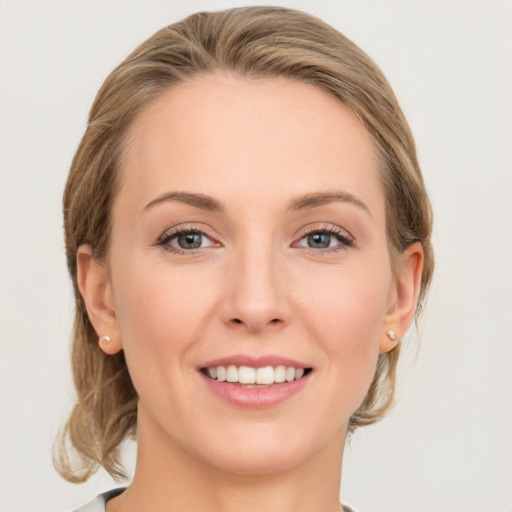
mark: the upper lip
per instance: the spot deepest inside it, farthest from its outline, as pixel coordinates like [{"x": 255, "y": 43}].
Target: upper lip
[{"x": 255, "y": 362}]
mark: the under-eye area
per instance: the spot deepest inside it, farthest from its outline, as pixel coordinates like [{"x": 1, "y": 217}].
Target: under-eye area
[{"x": 250, "y": 376}]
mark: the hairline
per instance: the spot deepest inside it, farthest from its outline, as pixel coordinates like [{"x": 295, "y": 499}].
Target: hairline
[{"x": 123, "y": 156}]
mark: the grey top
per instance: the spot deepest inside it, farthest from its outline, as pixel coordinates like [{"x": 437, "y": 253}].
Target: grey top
[{"x": 98, "y": 504}]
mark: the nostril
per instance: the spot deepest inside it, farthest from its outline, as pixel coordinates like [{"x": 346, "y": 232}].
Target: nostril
[{"x": 256, "y": 325}]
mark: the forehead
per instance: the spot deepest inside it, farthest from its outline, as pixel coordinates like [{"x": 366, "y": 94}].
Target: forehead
[{"x": 220, "y": 134}]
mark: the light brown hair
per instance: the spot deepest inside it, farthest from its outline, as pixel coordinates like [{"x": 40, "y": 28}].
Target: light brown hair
[{"x": 253, "y": 42}]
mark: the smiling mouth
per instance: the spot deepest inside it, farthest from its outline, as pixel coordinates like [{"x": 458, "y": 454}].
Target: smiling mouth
[{"x": 249, "y": 376}]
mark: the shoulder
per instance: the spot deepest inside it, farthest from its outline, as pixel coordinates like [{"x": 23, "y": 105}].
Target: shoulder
[{"x": 98, "y": 504}]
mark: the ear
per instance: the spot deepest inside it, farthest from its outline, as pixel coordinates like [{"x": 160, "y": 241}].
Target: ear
[
  {"x": 403, "y": 298},
  {"x": 96, "y": 289}
]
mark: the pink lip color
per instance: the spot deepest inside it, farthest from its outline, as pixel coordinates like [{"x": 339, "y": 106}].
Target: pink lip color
[
  {"x": 255, "y": 362},
  {"x": 257, "y": 397}
]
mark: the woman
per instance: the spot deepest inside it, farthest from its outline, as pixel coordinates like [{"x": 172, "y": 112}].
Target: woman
[{"x": 248, "y": 234}]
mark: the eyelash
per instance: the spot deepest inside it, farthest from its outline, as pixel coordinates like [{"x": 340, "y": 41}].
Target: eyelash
[
  {"x": 167, "y": 237},
  {"x": 338, "y": 234}
]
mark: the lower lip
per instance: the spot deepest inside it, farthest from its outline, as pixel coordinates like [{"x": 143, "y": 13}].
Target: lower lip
[{"x": 256, "y": 398}]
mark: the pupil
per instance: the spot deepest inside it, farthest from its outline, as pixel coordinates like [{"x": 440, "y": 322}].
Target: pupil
[
  {"x": 189, "y": 240},
  {"x": 319, "y": 240}
]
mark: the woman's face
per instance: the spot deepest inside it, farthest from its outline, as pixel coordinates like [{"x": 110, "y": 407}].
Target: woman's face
[{"x": 249, "y": 231}]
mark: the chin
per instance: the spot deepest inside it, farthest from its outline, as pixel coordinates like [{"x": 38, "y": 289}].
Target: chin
[
  {"x": 258, "y": 460},
  {"x": 264, "y": 450}
]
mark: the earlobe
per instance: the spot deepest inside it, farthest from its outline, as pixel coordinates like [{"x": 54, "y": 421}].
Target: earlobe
[
  {"x": 96, "y": 290},
  {"x": 405, "y": 294},
  {"x": 109, "y": 346}
]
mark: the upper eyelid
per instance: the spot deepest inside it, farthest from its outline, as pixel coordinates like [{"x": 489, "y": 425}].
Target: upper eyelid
[
  {"x": 299, "y": 234},
  {"x": 180, "y": 228},
  {"x": 329, "y": 228}
]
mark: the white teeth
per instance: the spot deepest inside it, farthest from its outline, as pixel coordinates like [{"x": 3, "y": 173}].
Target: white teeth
[
  {"x": 265, "y": 376},
  {"x": 232, "y": 373},
  {"x": 280, "y": 373},
  {"x": 246, "y": 375},
  {"x": 221, "y": 373}
]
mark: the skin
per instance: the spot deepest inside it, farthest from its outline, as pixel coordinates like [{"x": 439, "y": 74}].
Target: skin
[{"x": 255, "y": 287}]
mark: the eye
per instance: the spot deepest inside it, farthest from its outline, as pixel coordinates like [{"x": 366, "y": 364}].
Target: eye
[
  {"x": 185, "y": 240},
  {"x": 320, "y": 240},
  {"x": 190, "y": 240},
  {"x": 326, "y": 238}
]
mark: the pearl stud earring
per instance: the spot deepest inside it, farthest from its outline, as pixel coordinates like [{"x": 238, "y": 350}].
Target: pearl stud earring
[
  {"x": 391, "y": 335},
  {"x": 106, "y": 339}
]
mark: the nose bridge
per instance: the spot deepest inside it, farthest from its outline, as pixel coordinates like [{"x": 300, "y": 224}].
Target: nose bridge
[{"x": 255, "y": 294}]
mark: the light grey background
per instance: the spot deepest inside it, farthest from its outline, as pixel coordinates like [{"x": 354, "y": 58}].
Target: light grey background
[{"x": 447, "y": 447}]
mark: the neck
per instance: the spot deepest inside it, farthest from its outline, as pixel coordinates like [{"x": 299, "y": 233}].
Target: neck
[{"x": 168, "y": 478}]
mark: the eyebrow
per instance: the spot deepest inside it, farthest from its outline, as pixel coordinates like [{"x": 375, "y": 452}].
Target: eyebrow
[
  {"x": 198, "y": 200},
  {"x": 302, "y": 202},
  {"x": 322, "y": 198}
]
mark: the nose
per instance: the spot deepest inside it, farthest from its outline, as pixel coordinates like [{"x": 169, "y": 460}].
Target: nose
[{"x": 255, "y": 292}]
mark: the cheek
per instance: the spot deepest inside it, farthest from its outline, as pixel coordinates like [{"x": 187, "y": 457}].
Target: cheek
[
  {"x": 157, "y": 300},
  {"x": 161, "y": 316},
  {"x": 350, "y": 303},
  {"x": 347, "y": 318}
]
